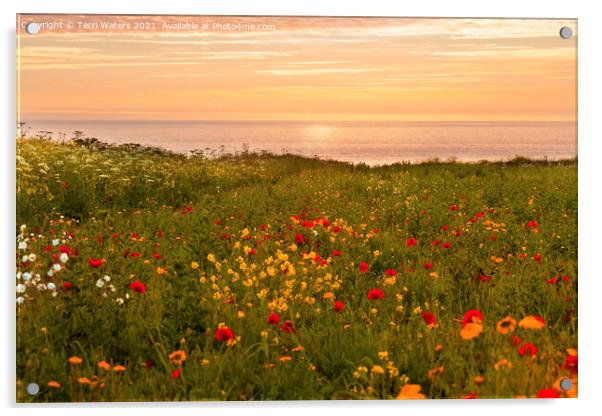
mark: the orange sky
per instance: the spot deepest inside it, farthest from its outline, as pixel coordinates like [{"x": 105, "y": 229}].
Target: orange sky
[{"x": 295, "y": 69}]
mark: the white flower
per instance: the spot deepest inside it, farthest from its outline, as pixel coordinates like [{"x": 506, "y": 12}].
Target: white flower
[
  {"x": 107, "y": 278},
  {"x": 104, "y": 294},
  {"x": 22, "y": 228},
  {"x": 26, "y": 276},
  {"x": 32, "y": 257},
  {"x": 25, "y": 258},
  {"x": 119, "y": 301},
  {"x": 100, "y": 283},
  {"x": 23, "y": 245},
  {"x": 56, "y": 267},
  {"x": 19, "y": 274},
  {"x": 51, "y": 286},
  {"x": 20, "y": 300},
  {"x": 56, "y": 242},
  {"x": 41, "y": 286},
  {"x": 21, "y": 288},
  {"x": 50, "y": 273},
  {"x": 64, "y": 257}
]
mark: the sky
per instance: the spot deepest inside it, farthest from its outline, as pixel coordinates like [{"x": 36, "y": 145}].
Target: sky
[{"x": 97, "y": 67}]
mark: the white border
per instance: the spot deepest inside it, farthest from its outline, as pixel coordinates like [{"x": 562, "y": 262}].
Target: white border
[{"x": 590, "y": 202}]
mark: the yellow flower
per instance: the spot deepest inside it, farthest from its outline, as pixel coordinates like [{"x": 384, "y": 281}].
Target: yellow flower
[
  {"x": 194, "y": 265},
  {"x": 54, "y": 384},
  {"x": 285, "y": 358},
  {"x": 83, "y": 380},
  {"x": 503, "y": 363},
  {"x": 531, "y": 322},
  {"x": 204, "y": 361},
  {"x": 161, "y": 271},
  {"x": 497, "y": 259},
  {"x": 383, "y": 355},
  {"x": 410, "y": 392},
  {"x": 479, "y": 379},
  {"x": 177, "y": 357},
  {"x": 211, "y": 258},
  {"x": 103, "y": 365},
  {"x": 118, "y": 368},
  {"x": 471, "y": 330},
  {"x": 298, "y": 348},
  {"x": 506, "y": 325},
  {"x": 75, "y": 360},
  {"x": 377, "y": 369}
]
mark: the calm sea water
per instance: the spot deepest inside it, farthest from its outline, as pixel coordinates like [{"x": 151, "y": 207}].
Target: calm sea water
[{"x": 369, "y": 142}]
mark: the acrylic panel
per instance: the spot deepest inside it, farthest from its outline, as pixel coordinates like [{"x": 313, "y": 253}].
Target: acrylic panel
[{"x": 295, "y": 208}]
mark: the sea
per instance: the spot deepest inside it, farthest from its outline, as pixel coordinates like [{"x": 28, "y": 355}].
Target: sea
[{"x": 372, "y": 143}]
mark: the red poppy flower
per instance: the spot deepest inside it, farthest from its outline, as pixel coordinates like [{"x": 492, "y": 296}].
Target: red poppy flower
[
  {"x": 95, "y": 263},
  {"x": 547, "y": 394},
  {"x": 429, "y": 318},
  {"x": 472, "y": 316},
  {"x": 299, "y": 239},
  {"x": 532, "y": 224},
  {"x": 252, "y": 252},
  {"x": 336, "y": 229},
  {"x": 218, "y": 222},
  {"x": 273, "y": 318},
  {"x": 537, "y": 257},
  {"x": 445, "y": 227},
  {"x": 363, "y": 267},
  {"x": 224, "y": 334},
  {"x": 135, "y": 254},
  {"x": 435, "y": 243},
  {"x": 552, "y": 281},
  {"x": 527, "y": 349},
  {"x": 391, "y": 272},
  {"x": 138, "y": 286},
  {"x": 428, "y": 266},
  {"x": 149, "y": 363},
  {"x": 157, "y": 255},
  {"x": 287, "y": 327},
  {"x": 571, "y": 363},
  {"x": 457, "y": 233},
  {"x": 515, "y": 340},
  {"x": 410, "y": 242},
  {"x": 336, "y": 253},
  {"x": 446, "y": 245},
  {"x": 453, "y": 207},
  {"x": 375, "y": 294},
  {"x": 67, "y": 285},
  {"x": 176, "y": 373},
  {"x": 339, "y": 306}
]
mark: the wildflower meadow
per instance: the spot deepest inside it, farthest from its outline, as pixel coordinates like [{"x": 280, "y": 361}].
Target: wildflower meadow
[{"x": 145, "y": 275}]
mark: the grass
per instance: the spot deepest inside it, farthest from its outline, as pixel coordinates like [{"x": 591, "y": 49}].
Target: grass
[{"x": 229, "y": 240}]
